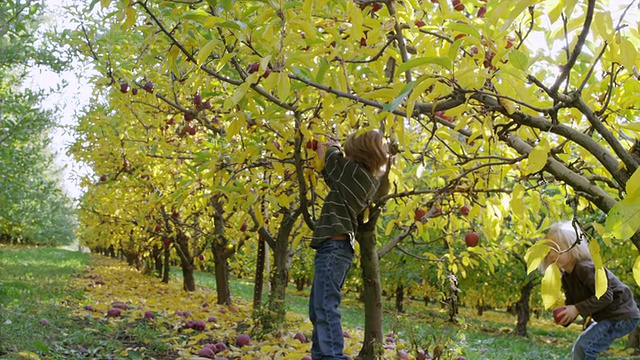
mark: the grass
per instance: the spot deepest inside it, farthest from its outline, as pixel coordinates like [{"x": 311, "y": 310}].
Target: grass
[{"x": 38, "y": 283}]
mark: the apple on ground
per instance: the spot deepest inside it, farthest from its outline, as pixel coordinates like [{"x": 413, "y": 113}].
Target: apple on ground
[
  {"x": 243, "y": 340},
  {"x": 200, "y": 325},
  {"x": 300, "y": 337},
  {"x": 148, "y": 315},
  {"x": 471, "y": 239},
  {"x": 212, "y": 319},
  {"x": 89, "y": 308},
  {"x": 43, "y": 321},
  {"x": 206, "y": 352},
  {"x": 114, "y": 312}
]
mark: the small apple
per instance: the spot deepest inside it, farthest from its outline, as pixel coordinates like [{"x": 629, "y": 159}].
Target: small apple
[
  {"x": 186, "y": 314},
  {"x": 402, "y": 354},
  {"x": 346, "y": 335},
  {"x": 200, "y": 325},
  {"x": 458, "y": 5},
  {"x": 474, "y": 50},
  {"x": 422, "y": 355},
  {"x": 114, "y": 312},
  {"x": 464, "y": 210},
  {"x": 420, "y": 23},
  {"x": 188, "y": 116},
  {"x": 419, "y": 214},
  {"x": 124, "y": 87},
  {"x": 556, "y": 314},
  {"x": 189, "y": 324},
  {"x": 207, "y": 105},
  {"x": 134, "y": 91},
  {"x": 191, "y": 130},
  {"x": 212, "y": 319},
  {"x": 148, "y": 86},
  {"x": 481, "y": 11},
  {"x": 43, "y": 321},
  {"x": 363, "y": 41},
  {"x": 266, "y": 73},
  {"x": 375, "y": 7},
  {"x": 197, "y": 99},
  {"x": 243, "y": 340},
  {"x": 119, "y": 305},
  {"x": 166, "y": 242},
  {"x": 243, "y": 227},
  {"x": 103, "y": 178},
  {"x": 312, "y": 144},
  {"x": 220, "y": 346},
  {"x": 89, "y": 308},
  {"x": 300, "y": 337},
  {"x": 175, "y": 214},
  {"x": 206, "y": 352},
  {"x": 148, "y": 315},
  {"x": 253, "y": 67},
  {"x": 471, "y": 239}
]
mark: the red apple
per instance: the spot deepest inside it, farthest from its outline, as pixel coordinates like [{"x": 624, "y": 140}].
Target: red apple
[
  {"x": 375, "y": 7},
  {"x": 89, "y": 308},
  {"x": 312, "y": 144},
  {"x": 188, "y": 116},
  {"x": 148, "y": 315},
  {"x": 124, "y": 87},
  {"x": 175, "y": 214},
  {"x": 220, "y": 346},
  {"x": 419, "y": 214},
  {"x": 346, "y": 335},
  {"x": 420, "y": 23},
  {"x": 103, "y": 178},
  {"x": 481, "y": 11},
  {"x": 43, "y": 321},
  {"x": 458, "y": 5},
  {"x": 200, "y": 325},
  {"x": 134, "y": 91},
  {"x": 243, "y": 227},
  {"x": 166, "y": 242},
  {"x": 253, "y": 67},
  {"x": 171, "y": 121},
  {"x": 300, "y": 337},
  {"x": 207, "y": 105},
  {"x": 197, "y": 99},
  {"x": 464, "y": 210},
  {"x": 206, "y": 352},
  {"x": 148, "y": 86},
  {"x": 471, "y": 239},
  {"x": 556, "y": 314},
  {"x": 243, "y": 340},
  {"x": 114, "y": 313},
  {"x": 266, "y": 73},
  {"x": 212, "y": 319}
]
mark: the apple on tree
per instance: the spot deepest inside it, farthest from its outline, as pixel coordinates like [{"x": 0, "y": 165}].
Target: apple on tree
[
  {"x": 419, "y": 214},
  {"x": 458, "y": 5},
  {"x": 471, "y": 239}
]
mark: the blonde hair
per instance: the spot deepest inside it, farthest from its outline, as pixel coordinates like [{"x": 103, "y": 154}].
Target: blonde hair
[
  {"x": 563, "y": 235},
  {"x": 368, "y": 149}
]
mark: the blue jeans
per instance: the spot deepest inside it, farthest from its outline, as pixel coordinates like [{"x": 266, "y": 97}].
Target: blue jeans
[
  {"x": 599, "y": 336},
  {"x": 332, "y": 262}
]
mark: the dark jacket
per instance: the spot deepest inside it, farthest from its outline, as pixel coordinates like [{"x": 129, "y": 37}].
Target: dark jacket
[
  {"x": 351, "y": 187},
  {"x": 580, "y": 287}
]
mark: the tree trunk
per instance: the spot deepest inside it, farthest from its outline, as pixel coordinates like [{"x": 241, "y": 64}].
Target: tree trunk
[
  {"x": 189, "y": 282},
  {"x": 372, "y": 345},
  {"x": 400, "y": 298},
  {"x": 282, "y": 255},
  {"x": 259, "y": 276},
  {"x": 221, "y": 271},
  {"x": 522, "y": 308},
  {"x": 186, "y": 262},
  {"x": 167, "y": 264}
]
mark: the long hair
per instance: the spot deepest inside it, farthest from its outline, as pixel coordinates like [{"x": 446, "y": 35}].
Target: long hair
[
  {"x": 563, "y": 236},
  {"x": 368, "y": 149}
]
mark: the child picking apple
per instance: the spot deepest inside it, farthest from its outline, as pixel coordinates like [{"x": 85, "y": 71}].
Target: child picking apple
[
  {"x": 615, "y": 313},
  {"x": 352, "y": 179}
]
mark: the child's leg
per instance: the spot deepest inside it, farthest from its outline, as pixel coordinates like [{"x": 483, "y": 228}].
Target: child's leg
[
  {"x": 599, "y": 336},
  {"x": 332, "y": 262}
]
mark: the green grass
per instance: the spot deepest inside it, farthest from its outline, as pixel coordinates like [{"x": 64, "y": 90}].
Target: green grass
[{"x": 37, "y": 283}]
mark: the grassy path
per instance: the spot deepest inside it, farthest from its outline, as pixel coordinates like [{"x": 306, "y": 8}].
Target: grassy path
[{"x": 44, "y": 292}]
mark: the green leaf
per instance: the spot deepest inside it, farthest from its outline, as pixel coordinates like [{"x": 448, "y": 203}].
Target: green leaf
[
  {"x": 636, "y": 270},
  {"x": 623, "y": 219},
  {"x": 195, "y": 15},
  {"x": 400, "y": 98},
  {"x": 538, "y": 157},
  {"x": 535, "y": 254},
  {"x": 551, "y": 286},
  {"x": 445, "y": 62},
  {"x": 519, "y": 60},
  {"x": 227, "y": 5}
]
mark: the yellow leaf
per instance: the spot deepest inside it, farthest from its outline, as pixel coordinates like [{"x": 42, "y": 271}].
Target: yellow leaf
[
  {"x": 634, "y": 182},
  {"x": 283, "y": 85},
  {"x": 206, "y": 51},
  {"x": 632, "y": 127},
  {"x": 131, "y": 17},
  {"x": 535, "y": 254},
  {"x": 538, "y": 157},
  {"x": 551, "y": 286},
  {"x": 636, "y": 270},
  {"x": 601, "y": 282},
  {"x": 628, "y": 54},
  {"x": 517, "y": 203},
  {"x": 623, "y": 219},
  {"x": 28, "y": 355}
]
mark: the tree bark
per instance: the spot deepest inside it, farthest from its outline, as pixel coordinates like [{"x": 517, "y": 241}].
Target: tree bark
[
  {"x": 372, "y": 345},
  {"x": 259, "y": 276},
  {"x": 282, "y": 256},
  {"x": 522, "y": 308},
  {"x": 400, "y": 298}
]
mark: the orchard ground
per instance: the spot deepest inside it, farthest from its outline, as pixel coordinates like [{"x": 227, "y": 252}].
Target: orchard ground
[{"x": 55, "y": 304}]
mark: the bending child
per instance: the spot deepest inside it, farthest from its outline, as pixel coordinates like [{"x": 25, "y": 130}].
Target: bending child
[{"x": 615, "y": 313}]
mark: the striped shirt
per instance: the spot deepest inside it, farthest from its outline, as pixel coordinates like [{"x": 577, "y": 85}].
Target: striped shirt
[{"x": 351, "y": 187}]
